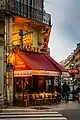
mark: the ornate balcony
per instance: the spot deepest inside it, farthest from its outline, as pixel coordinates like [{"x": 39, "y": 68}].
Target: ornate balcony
[{"x": 23, "y": 10}]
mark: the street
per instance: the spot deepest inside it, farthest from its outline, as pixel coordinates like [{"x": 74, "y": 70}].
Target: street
[
  {"x": 39, "y": 60},
  {"x": 71, "y": 114},
  {"x": 62, "y": 111},
  {"x": 30, "y": 115},
  {"x": 70, "y": 110}
]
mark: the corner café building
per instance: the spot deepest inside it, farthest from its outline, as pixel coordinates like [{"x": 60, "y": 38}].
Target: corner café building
[{"x": 33, "y": 73}]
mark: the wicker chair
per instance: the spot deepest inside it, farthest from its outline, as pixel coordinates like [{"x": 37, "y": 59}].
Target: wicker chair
[
  {"x": 38, "y": 99},
  {"x": 27, "y": 100},
  {"x": 41, "y": 98},
  {"x": 50, "y": 98},
  {"x": 46, "y": 99},
  {"x": 54, "y": 95},
  {"x": 33, "y": 99}
]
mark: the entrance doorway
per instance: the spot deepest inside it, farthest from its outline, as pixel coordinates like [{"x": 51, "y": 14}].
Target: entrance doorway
[{"x": 22, "y": 87}]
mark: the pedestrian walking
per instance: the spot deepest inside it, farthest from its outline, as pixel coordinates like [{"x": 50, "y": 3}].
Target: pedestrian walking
[
  {"x": 78, "y": 93},
  {"x": 65, "y": 91}
]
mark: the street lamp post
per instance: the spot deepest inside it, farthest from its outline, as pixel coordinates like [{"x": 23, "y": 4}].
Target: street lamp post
[
  {"x": 72, "y": 75},
  {"x": 73, "y": 87}
]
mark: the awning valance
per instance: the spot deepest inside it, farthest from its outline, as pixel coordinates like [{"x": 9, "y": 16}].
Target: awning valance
[{"x": 26, "y": 73}]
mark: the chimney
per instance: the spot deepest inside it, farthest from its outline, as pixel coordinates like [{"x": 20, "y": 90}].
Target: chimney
[{"x": 78, "y": 46}]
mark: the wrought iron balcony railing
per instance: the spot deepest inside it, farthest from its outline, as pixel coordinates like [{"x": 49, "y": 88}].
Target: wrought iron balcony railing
[{"x": 23, "y": 10}]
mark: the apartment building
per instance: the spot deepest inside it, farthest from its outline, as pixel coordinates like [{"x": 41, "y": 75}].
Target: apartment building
[
  {"x": 72, "y": 63},
  {"x": 23, "y": 25}
]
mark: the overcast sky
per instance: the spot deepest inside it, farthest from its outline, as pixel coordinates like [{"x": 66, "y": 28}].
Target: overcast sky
[{"x": 66, "y": 27}]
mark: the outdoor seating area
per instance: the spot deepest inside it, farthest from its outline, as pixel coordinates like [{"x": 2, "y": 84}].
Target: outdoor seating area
[{"x": 41, "y": 98}]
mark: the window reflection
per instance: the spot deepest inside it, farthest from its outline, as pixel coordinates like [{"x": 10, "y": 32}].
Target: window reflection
[
  {"x": 22, "y": 88},
  {"x": 19, "y": 89}
]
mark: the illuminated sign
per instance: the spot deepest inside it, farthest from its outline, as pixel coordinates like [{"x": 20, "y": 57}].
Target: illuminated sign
[
  {"x": 27, "y": 38},
  {"x": 24, "y": 73},
  {"x": 46, "y": 73},
  {"x": 19, "y": 63},
  {"x": 31, "y": 48},
  {"x": 73, "y": 71}
]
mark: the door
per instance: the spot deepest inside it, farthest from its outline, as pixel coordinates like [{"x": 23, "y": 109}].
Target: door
[{"x": 18, "y": 92}]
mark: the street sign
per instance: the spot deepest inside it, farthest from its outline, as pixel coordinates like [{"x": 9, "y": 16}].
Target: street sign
[{"x": 9, "y": 67}]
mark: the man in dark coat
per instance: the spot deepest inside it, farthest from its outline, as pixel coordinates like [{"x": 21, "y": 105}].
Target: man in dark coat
[{"x": 66, "y": 90}]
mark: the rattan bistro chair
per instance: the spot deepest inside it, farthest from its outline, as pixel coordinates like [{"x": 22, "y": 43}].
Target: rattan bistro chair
[
  {"x": 54, "y": 95},
  {"x": 41, "y": 98},
  {"x": 50, "y": 98},
  {"x": 46, "y": 99},
  {"x": 38, "y": 99},
  {"x": 33, "y": 99},
  {"x": 27, "y": 100}
]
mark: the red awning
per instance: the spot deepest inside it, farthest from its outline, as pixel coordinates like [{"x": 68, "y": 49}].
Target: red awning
[
  {"x": 35, "y": 61},
  {"x": 61, "y": 68}
]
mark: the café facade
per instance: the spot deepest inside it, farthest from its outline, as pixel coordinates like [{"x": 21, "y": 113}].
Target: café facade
[{"x": 33, "y": 74}]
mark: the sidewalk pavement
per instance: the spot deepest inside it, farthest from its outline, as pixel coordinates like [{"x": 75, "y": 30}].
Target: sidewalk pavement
[
  {"x": 61, "y": 106},
  {"x": 66, "y": 106},
  {"x": 54, "y": 107}
]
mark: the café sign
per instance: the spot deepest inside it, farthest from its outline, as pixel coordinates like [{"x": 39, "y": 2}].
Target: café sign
[
  {"x": 45, "y": 73},
  {"x": 20, "y": 64},
  {"x": 24, "y": 73}
]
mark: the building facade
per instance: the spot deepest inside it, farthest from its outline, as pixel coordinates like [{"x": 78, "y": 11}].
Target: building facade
[
  {"x": 77, "y": 61},
  {"x": 77, "y": 56},
  {"x": 72, "y": 63},
  {"x": 24, "y": 25},
  {"x": 26, "y": 66}
]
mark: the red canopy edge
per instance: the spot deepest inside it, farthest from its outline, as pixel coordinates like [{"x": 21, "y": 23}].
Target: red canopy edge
[
  {"x": 61, "y": 68},
  {"x": 39, "y": 61}
]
